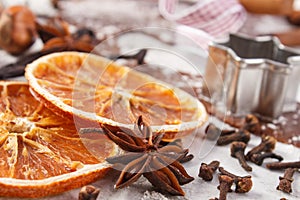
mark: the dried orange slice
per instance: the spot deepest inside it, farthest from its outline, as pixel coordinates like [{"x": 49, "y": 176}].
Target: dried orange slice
[
  {"x": 42, "y": 153},
  {"x": 97, "y": 89}
]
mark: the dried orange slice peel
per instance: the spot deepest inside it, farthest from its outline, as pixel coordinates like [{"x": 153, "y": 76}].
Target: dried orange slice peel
[
  {"x": 97, "y": 89},
  {"x": 41, "y": 153}
]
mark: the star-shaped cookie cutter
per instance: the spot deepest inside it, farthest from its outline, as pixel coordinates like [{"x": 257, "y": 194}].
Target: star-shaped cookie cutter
[{"x": 253, "y": 75}]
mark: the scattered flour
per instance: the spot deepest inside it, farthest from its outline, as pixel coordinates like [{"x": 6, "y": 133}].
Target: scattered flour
[{"x": 153, "y": 196}]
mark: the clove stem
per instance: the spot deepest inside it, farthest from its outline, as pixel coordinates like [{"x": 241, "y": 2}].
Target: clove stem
[
  {"x": 225, "y": 186},
  {"x": 242, "y": 160},
  {"x": 283, "y": 165}
]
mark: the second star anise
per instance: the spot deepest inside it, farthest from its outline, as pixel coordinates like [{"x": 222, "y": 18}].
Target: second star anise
[{"x": 146, "y": 156}]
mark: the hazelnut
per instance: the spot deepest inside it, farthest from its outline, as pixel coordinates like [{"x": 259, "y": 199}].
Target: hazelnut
[{"x": 17, "y": 29}]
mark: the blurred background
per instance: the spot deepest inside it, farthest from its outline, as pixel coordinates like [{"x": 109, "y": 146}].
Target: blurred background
[{"x": 30, "y": 28}]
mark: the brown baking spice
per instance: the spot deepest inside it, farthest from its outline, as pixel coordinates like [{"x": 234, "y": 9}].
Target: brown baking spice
[
  {"x": 88, "y": 192},
  {"x": 206, "y": 171},
  {"x": 145, "y": 156},
  {"x": 285, "y": 183}
]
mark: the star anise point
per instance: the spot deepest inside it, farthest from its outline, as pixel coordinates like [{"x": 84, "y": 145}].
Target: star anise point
[{"x": 145, "y": 155}]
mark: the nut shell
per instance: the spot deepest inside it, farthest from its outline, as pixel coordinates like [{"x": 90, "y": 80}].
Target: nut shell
[{"x": 17, "y": 29}]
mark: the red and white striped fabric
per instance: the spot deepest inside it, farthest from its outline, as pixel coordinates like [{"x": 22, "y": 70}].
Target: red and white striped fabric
[{"x": 215, "y": 17}]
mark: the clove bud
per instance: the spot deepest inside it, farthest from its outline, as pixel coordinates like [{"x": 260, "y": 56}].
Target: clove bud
[
  {"x": 242, "y": 184},
  {"x": 242, "y": 135},
  {"x": 237, "y": 151},
  {"x": 267, "y": 145},
  {"x": 252, "y": 124},
  {"x": 259, "y": 158},
  {"x": 207, "y": 170},
  {"x": 285, "y": 183}
]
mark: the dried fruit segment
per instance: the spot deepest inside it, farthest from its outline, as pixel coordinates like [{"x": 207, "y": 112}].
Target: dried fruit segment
[
  {"x": 97, "y": 89},
  {"x": 40, "y": 150}
]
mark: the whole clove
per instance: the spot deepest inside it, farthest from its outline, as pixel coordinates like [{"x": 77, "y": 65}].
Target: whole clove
[
  {"x": 283, "y": 165},
  {"x": 243, "y": 184},
  {"x": 207, "y": 170},
  {"x": 242, "y": 135},
  {"x": 259, "y": 158},
  {"x": 252, "y": 124},
  {"x": 237, "y": 151},
  {"x": 225, "y": 186},
  {"x": 88, "y": 192},
  {"x": 267, "y": 145},
  {"x": 285, "y": 183},
  {"x": 213, "y": 132}
]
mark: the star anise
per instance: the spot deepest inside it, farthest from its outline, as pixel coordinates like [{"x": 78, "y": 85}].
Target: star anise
[
  {"x": 146, "y": 156},
  {"x": 51, "y": 27},
  {"x": 80, "y": 41}
]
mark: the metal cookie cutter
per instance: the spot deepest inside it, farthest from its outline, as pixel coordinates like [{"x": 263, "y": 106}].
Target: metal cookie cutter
[{"x": 253, "y": 75}]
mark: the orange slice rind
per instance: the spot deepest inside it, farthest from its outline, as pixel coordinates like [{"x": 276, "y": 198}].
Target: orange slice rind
[
  {"x": 96, "y": 89},
  {"x": 41, "y": 153}
]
